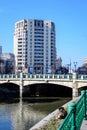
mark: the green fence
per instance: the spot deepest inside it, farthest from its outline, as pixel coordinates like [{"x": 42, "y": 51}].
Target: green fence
[{"x": 76, "y": 114}]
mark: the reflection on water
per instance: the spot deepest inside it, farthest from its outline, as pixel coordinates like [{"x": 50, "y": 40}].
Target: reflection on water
[{"x": 18, "y": 116}]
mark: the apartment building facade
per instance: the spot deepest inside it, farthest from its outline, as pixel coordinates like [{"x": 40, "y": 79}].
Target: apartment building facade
[{"x": 35, "y": 46}]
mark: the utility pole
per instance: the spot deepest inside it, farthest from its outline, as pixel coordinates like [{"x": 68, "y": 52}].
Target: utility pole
[{"x": 75, "y": 64}]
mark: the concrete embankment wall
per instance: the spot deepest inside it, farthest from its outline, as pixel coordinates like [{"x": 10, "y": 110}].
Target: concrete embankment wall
[{"x": 49, "y": 117}]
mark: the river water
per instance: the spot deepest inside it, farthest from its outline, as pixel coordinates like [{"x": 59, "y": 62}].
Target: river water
[{"x": 19, "y": 115}]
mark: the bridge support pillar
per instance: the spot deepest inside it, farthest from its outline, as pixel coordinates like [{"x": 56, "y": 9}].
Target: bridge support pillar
[
  {"x": 75, "y": 92},
  {"x": 21, "y": 86}
]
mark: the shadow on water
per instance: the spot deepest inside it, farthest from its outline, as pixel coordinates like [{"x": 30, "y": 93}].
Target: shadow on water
[
  {"x": 31, "y": 99},
  {"x": 41, "y": 99},
  {"x": 39, "y": 93}
]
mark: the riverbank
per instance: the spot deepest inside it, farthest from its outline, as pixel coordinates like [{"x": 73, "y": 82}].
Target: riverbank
[
  {"x": 53, "y": 124},
  {"x": 50, "y": 121}
]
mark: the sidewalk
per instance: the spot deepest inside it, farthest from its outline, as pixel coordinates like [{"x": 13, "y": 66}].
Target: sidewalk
[{"x": 84, "y": 125}]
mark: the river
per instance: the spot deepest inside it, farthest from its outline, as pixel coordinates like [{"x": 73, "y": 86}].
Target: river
[{"x": 23, "y": 114}]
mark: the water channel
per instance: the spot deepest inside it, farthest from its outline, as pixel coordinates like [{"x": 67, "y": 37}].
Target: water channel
[{"x": 23, "y": 114}]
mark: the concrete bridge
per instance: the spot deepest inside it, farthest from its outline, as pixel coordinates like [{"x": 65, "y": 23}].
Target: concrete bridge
[{"x": 73, "y": 81}]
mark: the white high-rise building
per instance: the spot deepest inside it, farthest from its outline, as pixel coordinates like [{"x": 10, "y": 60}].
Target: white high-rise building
[{"x": 35, "y": 46}]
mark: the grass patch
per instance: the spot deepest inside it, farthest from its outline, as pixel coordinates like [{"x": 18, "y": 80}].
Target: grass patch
[{"x": 53, "y": 124}]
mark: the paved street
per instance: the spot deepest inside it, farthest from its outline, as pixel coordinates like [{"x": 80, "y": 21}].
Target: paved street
[{"x": 84, "y": 125}]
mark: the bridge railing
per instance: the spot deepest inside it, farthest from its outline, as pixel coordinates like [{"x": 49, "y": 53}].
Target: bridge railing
[
  {"x": 37, "y": 76},
  {"x": 76, "y": 114},
  {"x": 44, "y": 76},
  {"x": 47, "y": 76},
  {"x": 82, "y": 77},
  {"x": 7, "y": 76}
]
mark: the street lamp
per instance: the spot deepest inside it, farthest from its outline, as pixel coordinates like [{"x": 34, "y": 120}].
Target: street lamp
[{"x": 75, "y": 64}]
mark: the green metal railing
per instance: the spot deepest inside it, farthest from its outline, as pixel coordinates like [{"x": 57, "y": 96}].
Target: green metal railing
[{"x": 76, "y": 114}]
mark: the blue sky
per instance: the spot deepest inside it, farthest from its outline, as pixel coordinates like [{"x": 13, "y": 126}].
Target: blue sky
[{"x": 69, "y": 16}]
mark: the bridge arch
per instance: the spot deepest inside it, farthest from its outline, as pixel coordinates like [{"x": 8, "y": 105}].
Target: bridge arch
[
  {"x": 47, "y": 89},
  {"x": 16, "y": 82},
  {"x": 55, "y": 82},
  {"x": 82, "y": 85},
  {"x": 82, "y": 88},
  {"x": 8, "y": 90}
]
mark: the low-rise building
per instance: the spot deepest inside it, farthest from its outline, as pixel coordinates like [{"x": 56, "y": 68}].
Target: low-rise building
[
  {"x": 82, "y": 70},
  {"x": 7, "y": 63},
  {"x": 85, "y": 62},
  {"x": 58, "y": 62},
  {"x": 62, "y": 70}
]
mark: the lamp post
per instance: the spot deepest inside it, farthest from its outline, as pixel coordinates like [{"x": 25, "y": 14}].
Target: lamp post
[{"x": 75, "y": 64}]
